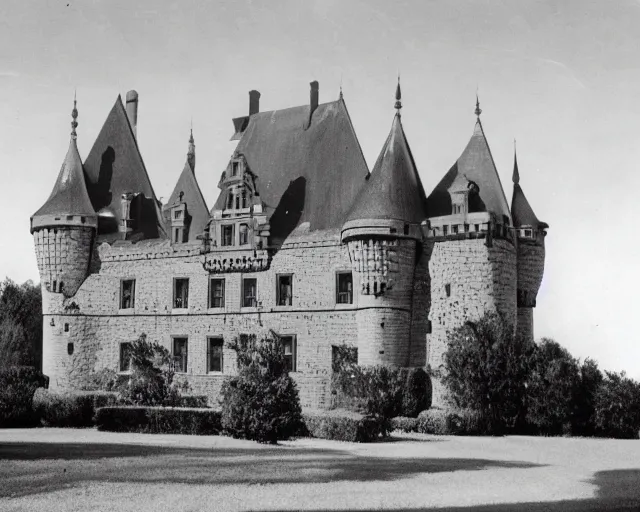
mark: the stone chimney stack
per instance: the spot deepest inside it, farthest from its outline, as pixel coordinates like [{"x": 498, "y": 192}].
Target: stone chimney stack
[
  {"x": 132, "y": 111},
  {"x": 313, "y": 100},
  {"x": 254, "y": 102}
]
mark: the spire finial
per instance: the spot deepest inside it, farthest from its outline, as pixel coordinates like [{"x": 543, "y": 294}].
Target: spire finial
[
  {"x": 478, "y": 109},
  {"x": 341, "y": 96},
  {"x": 74, "y": 115},
  {"x": 398, "y": 104},
  {"x": 516, "y": 173},
  {"x": 191, "y": 153},
  {"x": 191, "y": 136}
]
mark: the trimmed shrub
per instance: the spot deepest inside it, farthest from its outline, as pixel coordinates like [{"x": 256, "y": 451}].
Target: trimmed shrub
[
  {"x": 158, "y": 420},
  {"x": 417, "y": 393},
  {"x": 617, "y": 407},
  {"x": 17, "y": 386},
  {"x": 262, "y": 402},
  {"x": 70, "y": 409},
  {"x": 194, "y": 401},
  {"x": 433, "y": 421},
  {"x": 405, "y": 424},
  {"x": 342, "y": 425}
]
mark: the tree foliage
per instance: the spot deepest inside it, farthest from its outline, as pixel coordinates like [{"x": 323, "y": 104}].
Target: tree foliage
[
  {"x": 486, "y": 370},
  {"x": 152, "y": 380},
  {"x": 20, "y": 324},
  {"x": 584, "y": 399},
  {"x": 617, "y": 407},
  {"x": 262, "y": 402}
]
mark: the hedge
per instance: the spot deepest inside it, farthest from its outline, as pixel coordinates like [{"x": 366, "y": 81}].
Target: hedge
[
  {"x": 17, "y": 386},
  {"x": 442, "y": 422},
  {"x": 194, "y": 401},
  {"x": 159, "y": 420},
  {"x": 70, "y": 409},
  {"x": 342, "y": 425}
]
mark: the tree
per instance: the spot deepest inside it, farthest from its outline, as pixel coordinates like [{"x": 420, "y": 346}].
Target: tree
[
  {"x": 583, "y": 409},
  {"x": 152, "y": 380},
  {"x": 617, "y": 407},
  {"x": 486, "y": 370},
  {"x": 20, "y": 324},
  {"x": 262, "y": 402},
  {"x": 552, "y": 387}
]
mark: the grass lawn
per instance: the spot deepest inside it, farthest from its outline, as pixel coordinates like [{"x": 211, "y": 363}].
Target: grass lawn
[{"x": 86, "y": 470}]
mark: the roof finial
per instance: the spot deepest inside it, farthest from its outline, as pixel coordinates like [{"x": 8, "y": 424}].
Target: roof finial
[
  {"x": 516, "y": 173},
  {"x": 398, "y": 104},
  {"x": 74, "y": 115},
  {"x": 341, "y": 96},
  {"x": 191, "y": 136},
  {"x": 478, "y": 109},
  {"x": 191, "y": 153}
]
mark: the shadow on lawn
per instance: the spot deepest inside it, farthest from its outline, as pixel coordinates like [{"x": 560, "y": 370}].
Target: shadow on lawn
[
  {"x": 30, "y": 468},
  {"x": 618, "y": 490}
]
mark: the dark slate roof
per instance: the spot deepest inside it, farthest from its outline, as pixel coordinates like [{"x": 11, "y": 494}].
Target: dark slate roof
[
  {"x": 114, "y": 166},
  {"x": 521, "y": 211},
  {"x": 394, "y": 189},
  {"x": 477, "y": 165},
  {"x": 196, "y": 205},
  {"x": 69, "y": 195},
  {"x": 304, "y": 175}
]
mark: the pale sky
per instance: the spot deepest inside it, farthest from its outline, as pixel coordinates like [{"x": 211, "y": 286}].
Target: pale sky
[{"x": 563, "y": 78}]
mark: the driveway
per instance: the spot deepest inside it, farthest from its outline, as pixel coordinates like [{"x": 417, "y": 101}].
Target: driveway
[{"x": 87, "y": 470}]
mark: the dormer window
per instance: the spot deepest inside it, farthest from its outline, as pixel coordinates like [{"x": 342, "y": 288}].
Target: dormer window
[
  {"x": 244, "y": 234},
  {"x": 177, "y": 214},
  {"x": 235, "y": 166},
  {"x": 244, "y": 198},
  {"x": 227, "y": 235}
]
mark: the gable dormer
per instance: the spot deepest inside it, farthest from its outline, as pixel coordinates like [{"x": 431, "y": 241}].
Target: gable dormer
[{"x": 180, "y": 220}]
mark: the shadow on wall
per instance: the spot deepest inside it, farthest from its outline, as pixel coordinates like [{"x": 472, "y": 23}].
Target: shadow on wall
[{"x": 287, "y": 214}]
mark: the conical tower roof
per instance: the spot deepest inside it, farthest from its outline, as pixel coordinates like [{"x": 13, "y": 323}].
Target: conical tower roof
[
  {"x": 69, "y": 197},
  {"x": 394, "y": 190},
  {"x": 192, "y": 195},
  {"x": 521, "y": 211},
  {"x": 477, "y": 165}
]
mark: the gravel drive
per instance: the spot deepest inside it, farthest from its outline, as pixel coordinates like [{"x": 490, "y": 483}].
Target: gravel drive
[{"x": 86, "y": 470}]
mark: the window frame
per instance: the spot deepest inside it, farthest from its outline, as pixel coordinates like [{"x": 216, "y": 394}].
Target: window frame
[
  {"x": 242, "y": 295},
  {"x": 278, "y": 293},
  {"x": 294, "y": 350},
  {"x": 175, "y": 338},
  {"x": 211, "y": 339},
  {"x": 340, "y": 273},
  {"x": 133, "y": 293},
  {"x": 211, "y": 297},
  {"x": 175, "y": 297},
  {"x": 124, "y": 368},
  {"x": 231, "y": 227}
]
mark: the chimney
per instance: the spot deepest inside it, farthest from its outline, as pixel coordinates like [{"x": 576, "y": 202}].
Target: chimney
[
  {"x": 314, "y": 96},
  {"x": 254, "y": 102},
  {"x": 132, "y": 111}
]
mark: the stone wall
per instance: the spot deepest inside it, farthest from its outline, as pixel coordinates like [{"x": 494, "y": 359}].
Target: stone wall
[
  {"x": 97, "y": 326},
  {"x": 530, "y": 270},
  {"x": 63, "y": 255}
]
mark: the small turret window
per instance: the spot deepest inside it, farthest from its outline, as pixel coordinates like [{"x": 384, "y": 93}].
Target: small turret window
[
  {"x": 234, "y": 168},
  {"x": 528, "y": 232},
  {"x": 447, "y": 289}
]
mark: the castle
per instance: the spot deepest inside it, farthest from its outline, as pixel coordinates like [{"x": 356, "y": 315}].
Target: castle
[{"x": 302, "y": 241}]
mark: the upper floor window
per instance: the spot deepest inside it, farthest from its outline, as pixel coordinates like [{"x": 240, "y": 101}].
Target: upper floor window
[
  {"x": 227, "y": 235},
  {"x": 216, "y": 293},
  {"x": 180, "y": 293},
  {"x": 344, "y": 288},
  {"x": 243, "y": 233},
  {"x": 289, "y": 344},
  {"x": 249, "y": 292},
  {"x": 214, "y": 354},
  {"x": 180, "y": 345},
  {"x": 177, "y": 214},
  {"x": 244, "y": 198},
  {"x": 125, "y": 357},
  {"x": 285, "y": 290},
  {"x": 235, "y": 166},
  {"x": 127, "y": 293}
]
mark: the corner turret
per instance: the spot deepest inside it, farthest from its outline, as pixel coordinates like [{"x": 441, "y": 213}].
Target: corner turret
[
  {"x": 530, "y": 233},
  {"x": 383, "y": 234},
  {"x": 64, "y": 227}
]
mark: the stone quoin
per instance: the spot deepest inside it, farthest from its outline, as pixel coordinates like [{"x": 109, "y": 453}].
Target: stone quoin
[{"x": 302, "y": 241}]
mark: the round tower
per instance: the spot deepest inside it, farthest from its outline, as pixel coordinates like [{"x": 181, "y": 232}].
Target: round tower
[
  {"x": 65, "y": 226},
  {"x": 530, "y": 234},
  {"x": 63, "y": 229},
  {"x": 383, "y": 235}
]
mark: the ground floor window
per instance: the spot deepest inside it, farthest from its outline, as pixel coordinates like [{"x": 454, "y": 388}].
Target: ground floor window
[
  {"x": 125, "y": 357},
  {"x": 290, "y": 351},
  {"x": 180, "y": 354},
  {"x": 214, "y": 355}
]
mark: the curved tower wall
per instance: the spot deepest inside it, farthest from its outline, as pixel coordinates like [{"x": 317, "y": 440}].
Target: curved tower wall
[
  {"x": 530, "y": 271},
  {"x": 383, "y": 318}
]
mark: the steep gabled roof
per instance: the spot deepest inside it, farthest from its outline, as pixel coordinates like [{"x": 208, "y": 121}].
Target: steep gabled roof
[
  {"x": 115, "y": 166},
  {"x": 303, "y": 175},
  {"x": 521, "y": 211},
  {"x": 476, "y": 163},
  {"x": 69, "y": 195},
  {"x": 394, "y": 190},
  {"x": 192, "y": 195}
]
